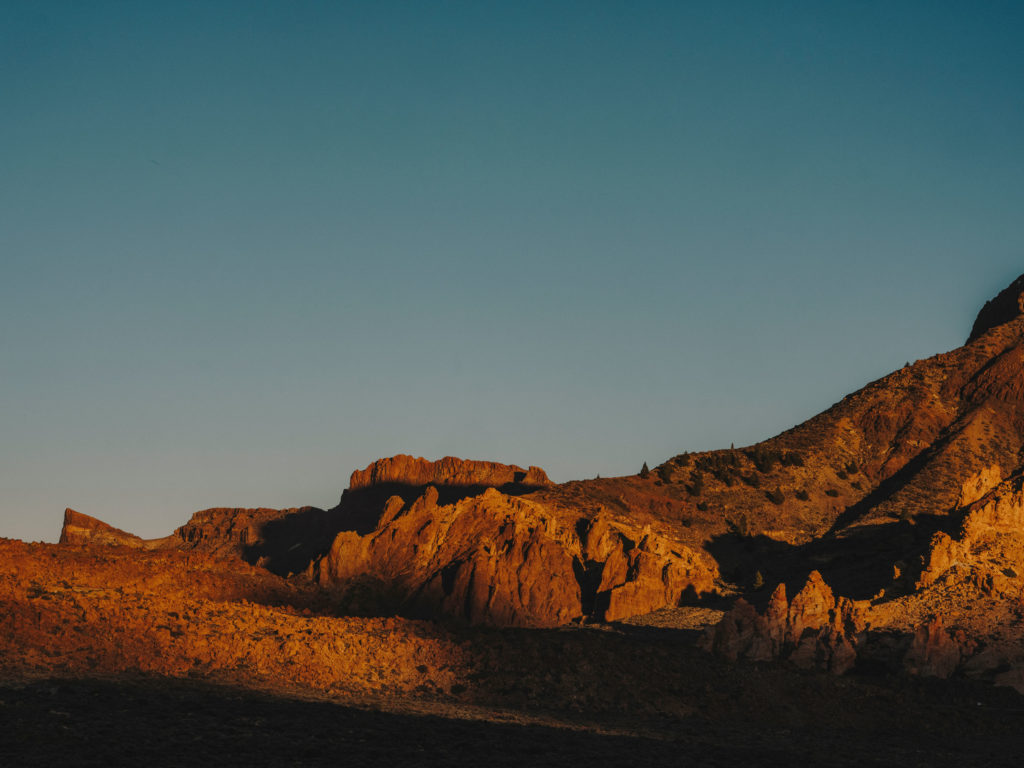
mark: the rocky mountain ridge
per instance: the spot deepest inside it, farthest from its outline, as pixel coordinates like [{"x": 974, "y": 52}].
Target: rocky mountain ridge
[{"x": 897, "y": 508}]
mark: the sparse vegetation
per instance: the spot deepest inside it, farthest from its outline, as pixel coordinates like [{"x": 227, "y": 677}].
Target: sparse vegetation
[
  {"x": 776, "y": 496},
  {"x": 765, "y": 459},
  {"x": 832, "y": 492},
  {"x": 802, "y": 494},
  {"x": 644, "y": 472}
]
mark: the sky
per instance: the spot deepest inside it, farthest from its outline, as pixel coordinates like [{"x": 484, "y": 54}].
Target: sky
[{"x": 249, "y": 247}]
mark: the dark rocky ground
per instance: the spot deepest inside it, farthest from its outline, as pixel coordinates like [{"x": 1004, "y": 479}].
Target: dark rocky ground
[{"x": 161, "y": 722}]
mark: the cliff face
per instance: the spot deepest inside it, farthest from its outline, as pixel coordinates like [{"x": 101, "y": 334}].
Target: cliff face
[
  {"x": 449, "y": 471},
  {"x": 80, "y": 530},
  {"x": 499, "y": 560}
]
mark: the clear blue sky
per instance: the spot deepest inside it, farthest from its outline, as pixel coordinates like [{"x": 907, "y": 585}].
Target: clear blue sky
[{"x": 248, "y": 247}]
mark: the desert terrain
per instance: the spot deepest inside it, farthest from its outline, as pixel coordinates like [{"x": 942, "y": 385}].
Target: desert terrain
[{"x": 849, "y": 592}]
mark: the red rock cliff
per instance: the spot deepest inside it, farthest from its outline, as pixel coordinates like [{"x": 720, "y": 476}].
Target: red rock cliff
[
  {"x": 83, "y": 529},
  {"x": 450, "y": 470}
]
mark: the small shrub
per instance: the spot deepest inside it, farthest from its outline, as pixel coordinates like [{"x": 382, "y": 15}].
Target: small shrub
[
  {"x": 832, "y": 492},
  {"x": 852, "y": 468},
  {"x": 752, "y": 480},
  {"x": 776, "y": 496},
  {"x": 702, "y": 506},
  {"x": 644, "y": 472},
  {"x": 802, "y": 495},
  {"x": 793, "y": 459}
]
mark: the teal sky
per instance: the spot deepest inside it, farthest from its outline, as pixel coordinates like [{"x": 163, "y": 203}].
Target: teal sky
[{"x": 246, "y": 248}]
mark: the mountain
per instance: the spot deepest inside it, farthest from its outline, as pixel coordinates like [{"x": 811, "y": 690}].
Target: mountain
[{"x": 910, "y": 484}]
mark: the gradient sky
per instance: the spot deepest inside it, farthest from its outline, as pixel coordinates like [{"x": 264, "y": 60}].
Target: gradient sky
[{"x": 246, "y": 248}]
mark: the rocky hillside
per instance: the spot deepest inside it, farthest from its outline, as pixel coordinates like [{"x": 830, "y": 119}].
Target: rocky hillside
[{"x": 899, "y": 490}]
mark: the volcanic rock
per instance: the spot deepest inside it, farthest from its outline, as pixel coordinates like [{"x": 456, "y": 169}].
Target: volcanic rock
[
  {"x": 1006, "y": 306},
  {"x": 507, "y": 561},
  {"x": 933, "y": 653},
  {"x": 814, "y": 631},
  {"x": 79, "y": 529},
  {"x": 449, "y": 471}
]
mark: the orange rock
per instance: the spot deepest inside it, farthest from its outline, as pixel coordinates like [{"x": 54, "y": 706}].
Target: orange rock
[
  {"x": 406, "y": 470},
  {"x": 811, "y": 607},
  {"x": 508, "y": 561},
  {"x": 814, "y": 631},
  {"x": 82, "y": 529},
  {"x": 933, "y": 653}
]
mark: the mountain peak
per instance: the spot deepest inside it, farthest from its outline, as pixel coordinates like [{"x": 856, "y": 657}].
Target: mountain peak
[{"x": 1008, "y": 305}]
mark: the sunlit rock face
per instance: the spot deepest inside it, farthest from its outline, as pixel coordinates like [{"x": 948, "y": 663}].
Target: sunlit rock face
[
  {"x": 449, "y": 471},
  {"x": 506, "y": 561},
  {"x": 79, "y": 529},
  {"x": 813, "y": 631}
]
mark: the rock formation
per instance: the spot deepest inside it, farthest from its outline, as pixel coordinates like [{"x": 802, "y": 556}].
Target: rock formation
[
  {"x": 814, "y": 631},
  {"x": 989, "y": 549},
  {"x": 933, "y": 653},
  {"x": 507, "y": 561},
  {"x": 907, "y": 495},
  {"x": 449, "y": 471},
  {"x": 1006, "y": 306},
  {"x": 80, "y": 530}
]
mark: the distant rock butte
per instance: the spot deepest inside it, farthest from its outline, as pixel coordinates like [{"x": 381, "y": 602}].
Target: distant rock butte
[
  {"x": 449, "y": 471},
  {"x": 79, "y": 529}
]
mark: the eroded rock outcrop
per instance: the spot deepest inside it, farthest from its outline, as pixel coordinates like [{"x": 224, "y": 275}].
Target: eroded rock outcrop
[
  {"x": 934, "y": 652},
  {"x": 449, "y": 471},
  {"x": 814, "y": 631},
  {"x": 989, "y": 549},
  {"x": 505, "y": 561},
  {"x": 79, "y": 529}
]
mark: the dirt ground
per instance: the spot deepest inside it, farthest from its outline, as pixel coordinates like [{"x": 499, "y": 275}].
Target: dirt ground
[{"x": 178, "y": 722}]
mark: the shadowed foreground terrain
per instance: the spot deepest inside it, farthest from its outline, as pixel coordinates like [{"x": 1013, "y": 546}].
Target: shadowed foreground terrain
[{"x": 160, "y": 722}]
